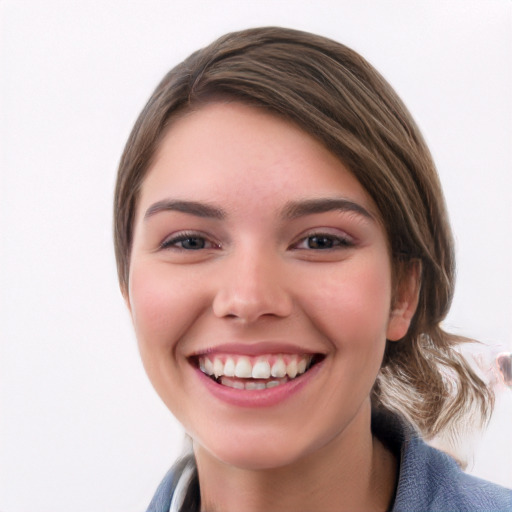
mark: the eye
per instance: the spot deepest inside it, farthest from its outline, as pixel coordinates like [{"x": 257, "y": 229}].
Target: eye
[
  {"x": 324, "y": 241},
  {"x": 188, "y": 242}
]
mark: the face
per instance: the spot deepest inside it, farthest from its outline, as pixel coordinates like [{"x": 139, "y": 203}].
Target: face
[{"x": 260, "y": 287}]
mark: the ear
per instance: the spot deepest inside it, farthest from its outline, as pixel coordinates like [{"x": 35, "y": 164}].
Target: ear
[{"x": 405, "y": 300}]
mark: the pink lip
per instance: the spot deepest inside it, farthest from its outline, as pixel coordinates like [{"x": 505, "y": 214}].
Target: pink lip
[
  {"x": 258, "y": 397},
  {"x": 255, "y": 349}
]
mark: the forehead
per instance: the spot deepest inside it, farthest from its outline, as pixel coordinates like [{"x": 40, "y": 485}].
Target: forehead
[{"x": 226, "y": 150}]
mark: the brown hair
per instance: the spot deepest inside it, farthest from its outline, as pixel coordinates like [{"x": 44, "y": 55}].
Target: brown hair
[{"x": 332, "y": 93}]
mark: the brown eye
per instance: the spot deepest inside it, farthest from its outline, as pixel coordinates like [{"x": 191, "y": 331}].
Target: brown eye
[
  {"x": 187, "y": 242},
  {"x": 324, "y": 241},
  {"x": 321, "y": 242}
]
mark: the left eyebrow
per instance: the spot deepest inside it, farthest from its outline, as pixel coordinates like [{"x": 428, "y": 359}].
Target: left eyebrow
[
  {"x": 190, "y": 207},
  {"x": 297, "y": 209}
]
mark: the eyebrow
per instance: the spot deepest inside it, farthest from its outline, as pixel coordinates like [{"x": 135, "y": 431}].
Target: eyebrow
[
  {"x": 190, "y": 207},
  {"x": 298, "y": 209},
  {"x": 291, "y": 211}
]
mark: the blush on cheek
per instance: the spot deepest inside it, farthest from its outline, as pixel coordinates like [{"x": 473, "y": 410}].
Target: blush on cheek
[
  {"x": 165, "y": 302},
  {"x": 350, "y": 305},
  {"x": 152, "y": 307}
]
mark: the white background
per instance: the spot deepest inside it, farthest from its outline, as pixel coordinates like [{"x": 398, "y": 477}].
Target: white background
[{"x": 80, "y": 427}]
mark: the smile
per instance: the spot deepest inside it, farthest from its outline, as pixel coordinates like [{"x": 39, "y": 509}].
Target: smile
[{"x": 255, "y": 373}]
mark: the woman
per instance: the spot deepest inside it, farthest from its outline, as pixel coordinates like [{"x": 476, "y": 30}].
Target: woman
[{"x": 283, "y": 248}]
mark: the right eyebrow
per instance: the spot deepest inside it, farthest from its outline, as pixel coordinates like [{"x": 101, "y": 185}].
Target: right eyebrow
[
  {"x": 191, "y": 207},
  {"x": 298, "y": 209}
]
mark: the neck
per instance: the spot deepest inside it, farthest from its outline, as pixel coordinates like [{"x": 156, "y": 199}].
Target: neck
[{"x": 352, "y": 472}]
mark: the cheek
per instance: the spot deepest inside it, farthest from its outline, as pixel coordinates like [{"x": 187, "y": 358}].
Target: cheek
[
  {"x": 162, "y": 305},
  {"x": 352, "y": 305}
]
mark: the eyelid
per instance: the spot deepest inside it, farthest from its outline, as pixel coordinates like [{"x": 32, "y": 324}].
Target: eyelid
[
  {"x": 171, "y": 241},
  {"x": 346, "y": 241}
]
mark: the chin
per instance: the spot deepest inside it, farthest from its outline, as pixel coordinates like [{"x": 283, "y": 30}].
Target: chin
[
  {"x": 262, "y": 453},
  {"x": 257, "y": 460}
]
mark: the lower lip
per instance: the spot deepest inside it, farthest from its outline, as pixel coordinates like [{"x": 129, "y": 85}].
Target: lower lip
[{"x": 259, "y": 397}]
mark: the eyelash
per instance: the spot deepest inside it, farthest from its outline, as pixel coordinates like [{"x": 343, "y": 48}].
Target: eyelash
[
  {"x": 330, "y": 241},
  {"x": 336, "y": 241},
  {"x": 172, "y": 243}
]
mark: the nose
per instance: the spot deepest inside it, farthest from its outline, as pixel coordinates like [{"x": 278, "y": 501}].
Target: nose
[{"x": 252, "y": 287}]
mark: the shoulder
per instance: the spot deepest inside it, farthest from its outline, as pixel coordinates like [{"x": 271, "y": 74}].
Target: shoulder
[{"x": 431, "y": 481}]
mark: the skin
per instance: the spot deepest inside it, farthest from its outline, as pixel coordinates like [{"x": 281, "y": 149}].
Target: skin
[{"x": 261, "y": 277}]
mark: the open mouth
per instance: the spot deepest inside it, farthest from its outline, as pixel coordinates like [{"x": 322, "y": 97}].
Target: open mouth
[{"x": 255, "y": 373}]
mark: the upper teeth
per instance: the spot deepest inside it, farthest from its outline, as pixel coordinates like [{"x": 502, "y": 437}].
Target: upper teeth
[{"x": 261, "y": 367}]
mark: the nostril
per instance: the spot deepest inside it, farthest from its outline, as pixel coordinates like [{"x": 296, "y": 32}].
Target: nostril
[{"x": 251, "y": 299}]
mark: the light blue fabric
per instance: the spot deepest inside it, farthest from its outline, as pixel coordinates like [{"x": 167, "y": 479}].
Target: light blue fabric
[
  {"x": 429, "y": 480},
  {"x": 161, "y": 501}
]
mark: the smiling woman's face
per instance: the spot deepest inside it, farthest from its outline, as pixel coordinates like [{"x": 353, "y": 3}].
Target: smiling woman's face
[{"x": 260, "y": 287}]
